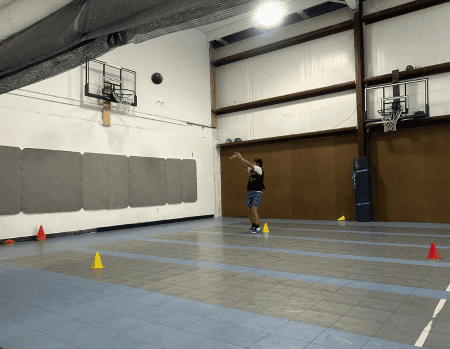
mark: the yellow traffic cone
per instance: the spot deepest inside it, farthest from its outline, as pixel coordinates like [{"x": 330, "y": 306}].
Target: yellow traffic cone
[
  {"x": 97, "y": 262},
  {"x": 341, "y": 219}
]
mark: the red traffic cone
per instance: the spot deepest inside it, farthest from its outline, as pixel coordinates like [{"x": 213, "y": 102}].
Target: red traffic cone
[
  {"x": 433, "y": 252},
  {"x": 41, "y": 236}
]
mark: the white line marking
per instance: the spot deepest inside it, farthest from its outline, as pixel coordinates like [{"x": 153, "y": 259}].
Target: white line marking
[{"x": 426, "y": 331}]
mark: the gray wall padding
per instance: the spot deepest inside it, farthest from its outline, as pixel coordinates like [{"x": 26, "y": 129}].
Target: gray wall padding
[
  {"x": 189, "y": 180},
  {"x": 174, "y": 182},
  {"x": 148, "y": 181},
  {"x": 95, "y": 184},
  {"x": 10, "y": 180},
  {"x": 46, "y": 181},
  {"x": 51, "y": 181},
  {"x": 117, "y": 179}
]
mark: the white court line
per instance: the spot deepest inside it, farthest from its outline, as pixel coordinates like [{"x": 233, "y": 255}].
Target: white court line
[{"x": 426, "y": 331}]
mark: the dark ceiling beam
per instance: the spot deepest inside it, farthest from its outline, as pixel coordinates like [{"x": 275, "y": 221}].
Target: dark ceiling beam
[
  {"x": 401, "y": 10},
  {"x": 223, "y": 42},
  {"x": 287, "y": 98},
  {"x": 303, "y": 15},
  {"x": 302, "y": 136},
  {"x": 410, "y": 74},
  {"x": 316, "y": 34},
  {"x": 351, "y": 85}
]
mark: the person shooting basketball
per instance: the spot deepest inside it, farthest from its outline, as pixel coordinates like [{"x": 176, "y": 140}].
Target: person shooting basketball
[{"x": 255, "y": 187}]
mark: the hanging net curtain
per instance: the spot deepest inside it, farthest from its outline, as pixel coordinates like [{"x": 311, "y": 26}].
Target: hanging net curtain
[{"x": 87, "y": 29}]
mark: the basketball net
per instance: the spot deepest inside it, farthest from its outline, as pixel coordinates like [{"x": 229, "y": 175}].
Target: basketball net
[
  {"x": 123, "y": 99},
  {"x": 390, "y": 119}
]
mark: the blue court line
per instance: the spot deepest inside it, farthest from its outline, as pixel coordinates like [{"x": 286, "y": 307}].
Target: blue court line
[
  {"x": 348, "y": 231},
  {"x": 316, "y": 254},
  {"x": 374, "y": 286},
  {"x": 319, "y": 239}
]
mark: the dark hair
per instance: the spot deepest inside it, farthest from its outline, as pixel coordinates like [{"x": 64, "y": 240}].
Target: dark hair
[{"x": 258, "y": 162}]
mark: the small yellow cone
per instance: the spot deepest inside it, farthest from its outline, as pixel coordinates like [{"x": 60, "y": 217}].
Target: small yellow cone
[
  {"x": 341, "y": 219},
  {"x": 97, "y": 262},
  {"x": 266, "y": 228}
]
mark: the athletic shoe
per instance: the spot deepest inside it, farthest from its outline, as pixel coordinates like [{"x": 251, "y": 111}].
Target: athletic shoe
[
  {"x": 258, "y": 230},
  {"x": 251, "y": 229},
  {"x": 254, "y": 231}
]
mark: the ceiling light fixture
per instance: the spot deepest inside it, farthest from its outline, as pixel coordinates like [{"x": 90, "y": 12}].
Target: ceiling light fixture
[{"x": 270, "y": 15}]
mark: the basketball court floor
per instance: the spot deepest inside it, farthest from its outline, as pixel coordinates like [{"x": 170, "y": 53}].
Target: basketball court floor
[{"x": 212, "y": 284}]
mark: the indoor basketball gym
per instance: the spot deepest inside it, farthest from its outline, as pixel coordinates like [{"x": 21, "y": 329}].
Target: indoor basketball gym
[{"x": 224, "y": 174}]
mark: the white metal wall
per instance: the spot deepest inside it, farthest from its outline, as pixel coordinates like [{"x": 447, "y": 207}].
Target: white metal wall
[{"x": 419, "y": 39}]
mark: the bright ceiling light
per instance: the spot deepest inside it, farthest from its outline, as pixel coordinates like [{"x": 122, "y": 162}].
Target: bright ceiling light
[{"x": 270, "y": 14}]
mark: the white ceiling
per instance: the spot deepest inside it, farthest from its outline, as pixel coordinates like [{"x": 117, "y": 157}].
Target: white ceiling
[{"x": 218, "y": 30}]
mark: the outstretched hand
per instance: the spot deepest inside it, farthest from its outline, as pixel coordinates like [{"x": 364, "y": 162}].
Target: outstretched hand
[{"x": 236, "y": 155}]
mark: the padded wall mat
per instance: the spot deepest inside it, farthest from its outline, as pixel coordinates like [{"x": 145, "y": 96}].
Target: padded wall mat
[
  {"x": 10, "y": 180},
  {"x": 147, "y": 181},
  {"x": 51, "y": 181},
  {"x": 189, "y": 180},
  {"x": 117, "y": 182},
  {"x": 46, "y": 181},
  {"x": 95, "y": 189},
  {"x": 174, "y": 181}
]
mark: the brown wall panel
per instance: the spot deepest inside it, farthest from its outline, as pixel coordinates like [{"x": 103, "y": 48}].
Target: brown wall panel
[
  {"x": 400, "y": 176},
  {"x": 277, "y": 165},
  {"x": 437, "y": 175},
  {"x": 311, "y": 178},
  {"x": 411, "y": 172},
  {"x": 276, "y": 202},
  {"x": 305, "y": 179},
  {"x": 345, "y": 151},
  {"x": 313, "y": 185}
]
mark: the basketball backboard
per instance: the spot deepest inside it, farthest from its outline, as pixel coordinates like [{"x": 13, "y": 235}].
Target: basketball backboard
[
  {"x": 411, "y": 96},
  {"x": 102, "y": 78}
]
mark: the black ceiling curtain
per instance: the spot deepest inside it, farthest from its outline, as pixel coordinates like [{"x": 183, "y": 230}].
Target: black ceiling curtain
[{"x": 86, "y": 29}]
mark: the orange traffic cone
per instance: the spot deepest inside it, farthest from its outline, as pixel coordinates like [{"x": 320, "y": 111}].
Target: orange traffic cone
[
  {"x": 433, "y": 252},
  {"x": 41, "y": 236}
]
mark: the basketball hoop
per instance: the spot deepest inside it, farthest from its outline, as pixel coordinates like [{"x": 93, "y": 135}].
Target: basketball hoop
[
  {"x": 124, "y": 98},
  {"x": 390, "y": 118}
]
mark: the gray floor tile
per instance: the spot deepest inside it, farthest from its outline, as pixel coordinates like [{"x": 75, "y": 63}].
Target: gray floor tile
[
  {"x": 240, "y": 335},
  {"x": 437, "y": 341},
  {"x": 398, "y": 334},
  {"x": 378, "y": 304},
  {"x": 441, "y": 326},
  {"x": 408, "y": 321},
  {"x": 369, "y": 314}
]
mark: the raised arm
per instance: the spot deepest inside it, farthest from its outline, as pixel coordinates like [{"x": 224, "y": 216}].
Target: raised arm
[{"x": 245, "y": 162}]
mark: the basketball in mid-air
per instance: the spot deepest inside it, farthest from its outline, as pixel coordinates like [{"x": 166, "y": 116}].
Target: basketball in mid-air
[{"x": 157, "y": 78}]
